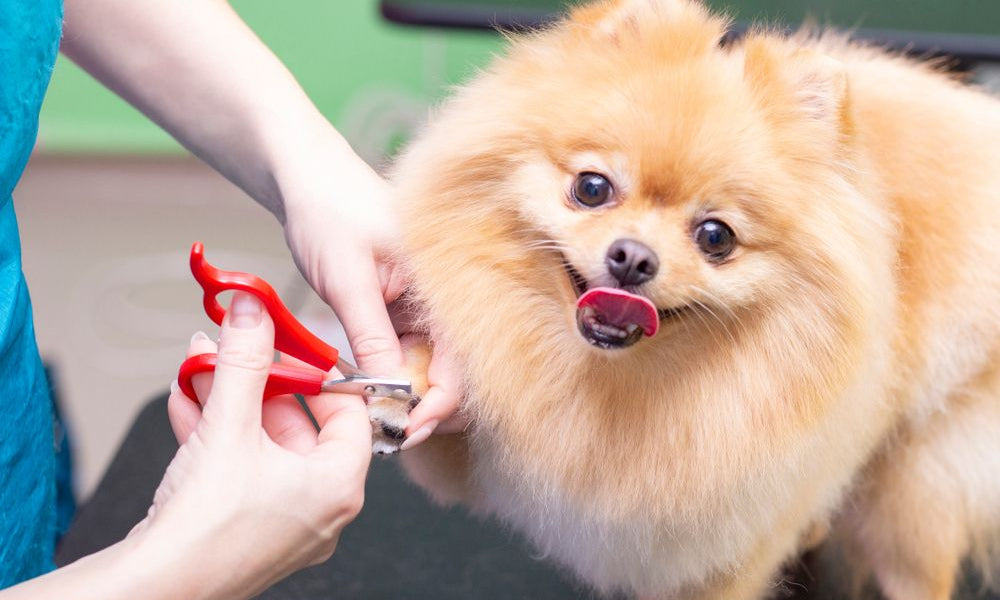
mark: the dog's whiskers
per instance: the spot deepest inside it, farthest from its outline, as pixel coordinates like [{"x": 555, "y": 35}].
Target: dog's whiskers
[{"x": 703, "y": 307}]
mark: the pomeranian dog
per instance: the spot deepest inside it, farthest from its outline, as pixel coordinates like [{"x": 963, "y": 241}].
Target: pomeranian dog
[{"x": 711, "y": 299}]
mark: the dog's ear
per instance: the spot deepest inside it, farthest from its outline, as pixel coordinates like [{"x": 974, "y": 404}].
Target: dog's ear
[
  {"x": 618, "y": 21},
  {"x": 797, "y": 82}
]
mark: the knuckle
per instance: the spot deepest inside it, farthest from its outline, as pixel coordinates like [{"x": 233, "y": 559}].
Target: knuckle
[
  {"x": 287, "y": 432},
  {"x": 244, "y": 355},
  {"x": 325, "y": 555},
  {"x": 353, "y": 505},
  {"x": 373, "y": 349}
]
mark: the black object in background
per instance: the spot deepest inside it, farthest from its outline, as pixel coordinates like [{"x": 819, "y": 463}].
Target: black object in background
[{"x": 965, "y": 29}]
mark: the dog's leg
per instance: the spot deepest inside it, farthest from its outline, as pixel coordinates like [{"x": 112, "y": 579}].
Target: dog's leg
[
  {"x": 389, "y": 416},
  {"x": 909, "y": 533},
  {"x": 440, "y": 464},
  {"x": 441, "y": 467},
  {"x": 934, "y": 497},
  {"x": 751, "y": 582},
  {"x": 755, "y": 579}
]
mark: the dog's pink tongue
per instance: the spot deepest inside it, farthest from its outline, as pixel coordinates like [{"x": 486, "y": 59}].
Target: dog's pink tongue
[{"x": 621, "y": 309}]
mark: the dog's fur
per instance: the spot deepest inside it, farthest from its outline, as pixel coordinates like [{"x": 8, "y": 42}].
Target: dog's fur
[{"x": 841, "y": 366}]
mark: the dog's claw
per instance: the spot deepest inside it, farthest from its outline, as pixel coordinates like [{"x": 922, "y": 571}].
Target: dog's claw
[
  {"x": 393, "y": 432},
  {"x": 389, "y": 417}
]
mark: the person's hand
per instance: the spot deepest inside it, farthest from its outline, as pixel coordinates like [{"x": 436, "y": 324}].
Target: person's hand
[
  {"x": 344, "y": 236},
  {"x": 253, "y": 481}
]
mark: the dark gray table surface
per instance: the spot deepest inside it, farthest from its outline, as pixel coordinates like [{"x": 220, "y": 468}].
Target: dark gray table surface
[{"x": 401, "y": 546}]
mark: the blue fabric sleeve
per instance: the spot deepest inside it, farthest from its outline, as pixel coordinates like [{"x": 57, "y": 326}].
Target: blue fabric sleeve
[{"x": 29, "y": 40}]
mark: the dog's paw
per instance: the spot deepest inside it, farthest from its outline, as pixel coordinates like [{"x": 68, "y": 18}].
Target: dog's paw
[{"x": 389, "y": 416}]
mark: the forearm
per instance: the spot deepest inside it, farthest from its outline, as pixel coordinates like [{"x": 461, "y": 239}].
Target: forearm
[
  {"x": 132, "y": 568},
  {"x": 89, "y": 577},
  {"x": 155, "y": 564},
  {"x": 198, "y": 71}
]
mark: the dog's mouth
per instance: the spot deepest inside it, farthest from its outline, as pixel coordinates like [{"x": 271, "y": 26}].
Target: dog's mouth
[{"x": 613, "y": 318}]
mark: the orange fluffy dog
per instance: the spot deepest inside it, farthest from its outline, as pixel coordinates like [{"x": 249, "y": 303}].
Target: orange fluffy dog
[{"x": 708, "y": 298}]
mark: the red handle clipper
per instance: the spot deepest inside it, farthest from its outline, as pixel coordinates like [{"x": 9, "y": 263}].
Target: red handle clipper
[{"x": 290, "y": 337}]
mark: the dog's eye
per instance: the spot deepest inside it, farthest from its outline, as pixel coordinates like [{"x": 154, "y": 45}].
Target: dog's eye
[
  {"x": 592, "y": 190},
  {"x": 715, "y": 239}
]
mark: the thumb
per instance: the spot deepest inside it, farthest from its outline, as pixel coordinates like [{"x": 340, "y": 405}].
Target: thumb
[
  {"x": 246, "y": 351},
  {"x": 345, "y": 434}
]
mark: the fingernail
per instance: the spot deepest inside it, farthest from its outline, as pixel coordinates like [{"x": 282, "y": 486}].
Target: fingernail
[
  {"x": 244, "y": 311},
  {"x": 199, "y": 336},
  {"x": 174, "y": 387},
  {"x": 419, "y": 435}
]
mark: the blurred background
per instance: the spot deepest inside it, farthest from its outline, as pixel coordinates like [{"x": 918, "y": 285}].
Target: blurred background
[{"x": 110, "y": 205}]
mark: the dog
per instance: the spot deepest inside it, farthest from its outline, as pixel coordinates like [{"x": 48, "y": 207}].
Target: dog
[{"x": 714, "y": 301}]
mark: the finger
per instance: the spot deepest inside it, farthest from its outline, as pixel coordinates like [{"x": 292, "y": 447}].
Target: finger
[
  {"x": 344, "y": 427},
  {"x": 201, "y": 344},
  {"x": 202, "y": 382},
  {"x": 246, "y": 350},
  {"x": 356, "y": 297},
  {"x": 318, "y": 405},
  {"x": 441, "y": 402},
  {"x": 183, "y": 413},
  {"x": 288, "y": 425}
]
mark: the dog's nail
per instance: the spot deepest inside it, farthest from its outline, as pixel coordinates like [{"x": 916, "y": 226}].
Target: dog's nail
[{"x": 393, "y": 432}]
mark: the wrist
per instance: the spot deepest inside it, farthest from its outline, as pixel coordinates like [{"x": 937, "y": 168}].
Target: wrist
[
  {"x": 199, "y": 562},
  {"x": 219, "y": 556},
  {"x": 177, "y": 564},
  {"x": 306, "y": 156}
]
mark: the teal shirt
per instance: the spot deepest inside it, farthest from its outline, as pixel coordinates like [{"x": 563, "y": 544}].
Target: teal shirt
[{"x": 29, "y": 40}]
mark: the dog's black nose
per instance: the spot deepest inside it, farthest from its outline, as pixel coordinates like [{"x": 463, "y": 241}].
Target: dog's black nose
[{"x": 631, "y": 262}]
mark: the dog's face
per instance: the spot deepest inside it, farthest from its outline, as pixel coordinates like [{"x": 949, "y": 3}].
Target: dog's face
[
  {"x": 655, "y": 170},
  {"x": 623, "y": 182},
  {"x": 664, "y": 188}
]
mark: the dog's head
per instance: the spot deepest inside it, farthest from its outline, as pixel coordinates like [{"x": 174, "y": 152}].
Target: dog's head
[{"x": 625, "y": 180}]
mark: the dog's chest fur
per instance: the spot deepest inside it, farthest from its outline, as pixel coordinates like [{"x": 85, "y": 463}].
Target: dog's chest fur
[{"x": 614, "y": 555}]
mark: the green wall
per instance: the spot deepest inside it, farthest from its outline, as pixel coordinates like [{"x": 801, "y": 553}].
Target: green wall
[
  {"x": 375, "y": 80},
  {"x": 372, "y": 79}
]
